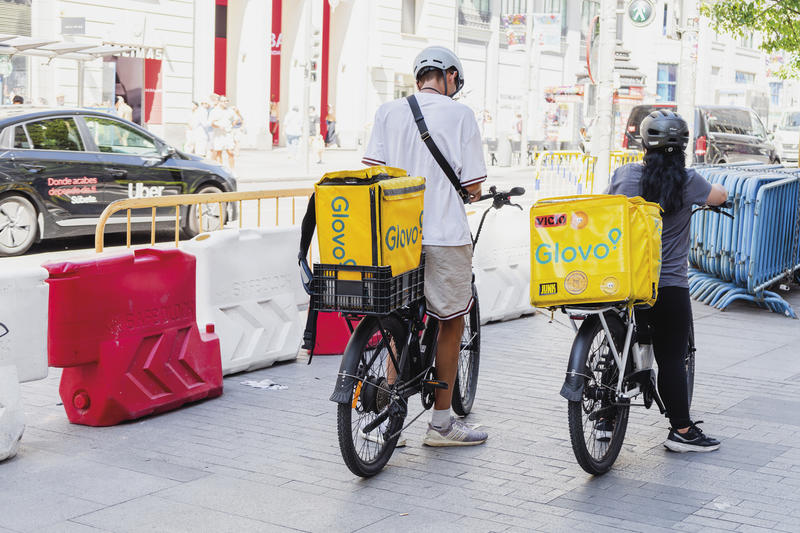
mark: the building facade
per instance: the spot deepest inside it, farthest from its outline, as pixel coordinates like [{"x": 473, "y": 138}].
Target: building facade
[{"x": 346, "y": 57}]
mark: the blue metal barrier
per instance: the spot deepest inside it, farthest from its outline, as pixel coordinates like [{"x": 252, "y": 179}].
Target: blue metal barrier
[{"x": 739, "y": 258}]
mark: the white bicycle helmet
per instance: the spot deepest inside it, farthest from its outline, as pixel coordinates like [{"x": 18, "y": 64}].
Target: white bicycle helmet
[{"x": 441, "y": 58}]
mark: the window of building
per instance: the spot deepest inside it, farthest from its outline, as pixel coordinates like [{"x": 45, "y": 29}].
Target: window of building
[
  {"x": 476, "y": 13},
  {"x": 553, "y": 6},
  {"x": 746, "y": 40},
  {"x": 715, "y": 71},
  {"x": 55, "y": 134},
  {"x": 775, "y": 88},
  {"x": 745, "y": 77},
  {"x": 118, "y": 138},
  {"x": 664, "y": 22},
  {"x": 408, "y": 16},
  {"x": 589, "y": 10},
  {"x": 513, "y": 7},
  {"x": 666, "y": 82}
]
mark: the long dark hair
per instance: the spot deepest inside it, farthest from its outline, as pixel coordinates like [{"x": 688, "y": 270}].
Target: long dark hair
[{"x": 664, "y": 177}]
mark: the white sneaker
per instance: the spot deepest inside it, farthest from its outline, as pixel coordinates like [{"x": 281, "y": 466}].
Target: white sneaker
[
  {"x": 456, "y": 434},
  {"x": 377, "y": 437}
]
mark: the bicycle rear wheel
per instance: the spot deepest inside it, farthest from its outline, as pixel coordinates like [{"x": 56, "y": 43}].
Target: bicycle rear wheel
[
  {"x": 366, "y": 452},
  {"x": 469, "y": 358},
  {"x": 689, "y": 363},
  {"x": 597, "y": 423}
]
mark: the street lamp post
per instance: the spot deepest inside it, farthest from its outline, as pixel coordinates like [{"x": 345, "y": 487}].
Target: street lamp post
[
  {"x": 604, "y": 125},
  {"x": 530, "y": 46},
  {"x": 304, "y": 139}
]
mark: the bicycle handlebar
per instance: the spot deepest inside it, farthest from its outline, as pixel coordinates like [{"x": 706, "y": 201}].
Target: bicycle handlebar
[{"x": 728, "y": 204}]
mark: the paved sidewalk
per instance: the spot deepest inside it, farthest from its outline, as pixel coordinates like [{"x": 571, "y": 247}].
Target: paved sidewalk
[{"x": 268, "y": 460}]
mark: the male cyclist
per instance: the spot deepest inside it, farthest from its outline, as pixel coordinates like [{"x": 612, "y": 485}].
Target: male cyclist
[
  {"x": 663, "y": 178},
  {"x": 446, "y": 239}
]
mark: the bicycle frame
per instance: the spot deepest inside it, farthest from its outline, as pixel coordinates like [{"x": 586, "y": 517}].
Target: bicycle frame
[{"x": 642, "y": 357}]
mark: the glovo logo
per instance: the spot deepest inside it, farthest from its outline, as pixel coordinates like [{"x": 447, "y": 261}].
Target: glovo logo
[
  {"x": 546, "y": 253},
  {"x": 397, "y": 237},
  {"x": 339, "y": 208}
]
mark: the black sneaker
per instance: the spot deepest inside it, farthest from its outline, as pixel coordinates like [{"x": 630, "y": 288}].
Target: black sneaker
[
  {"x": 603, "y": 429},
  {"x": 693, "y": 440}
]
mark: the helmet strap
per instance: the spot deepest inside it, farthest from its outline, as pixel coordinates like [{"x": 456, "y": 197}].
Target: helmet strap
[{"x": 445, "y": 82}]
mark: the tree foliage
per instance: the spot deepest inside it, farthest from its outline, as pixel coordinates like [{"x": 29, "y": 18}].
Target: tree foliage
[{"x": 778, "y": 21}]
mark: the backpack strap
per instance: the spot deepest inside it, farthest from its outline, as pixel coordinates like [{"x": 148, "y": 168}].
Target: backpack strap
[
  {"x": 306, "y": 234},
  {"x": 435, "y": 152}
]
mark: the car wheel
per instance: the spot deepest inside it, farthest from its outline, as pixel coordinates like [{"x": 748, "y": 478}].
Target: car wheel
[
  {"x": 210, "y": 215},
  {"x": 18, "y": 227}
]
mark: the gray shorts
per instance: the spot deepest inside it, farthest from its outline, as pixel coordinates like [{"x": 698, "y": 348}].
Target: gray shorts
[{"x": 448, "y": 280}]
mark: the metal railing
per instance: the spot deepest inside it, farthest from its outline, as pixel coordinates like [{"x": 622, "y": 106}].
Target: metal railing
[
  {"x": 183, "y": 200},
  {"x": 742, "y": 258},
  {"x": 560, "y": 173}
]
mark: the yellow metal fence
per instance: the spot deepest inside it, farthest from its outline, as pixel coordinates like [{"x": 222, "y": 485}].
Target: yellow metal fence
[
  {"x": 218, "y": 200},
  {"x": 561, "y": 173}
]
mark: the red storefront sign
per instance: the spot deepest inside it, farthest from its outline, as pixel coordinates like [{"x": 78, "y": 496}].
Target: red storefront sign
[{"x": 153, "y": 92}]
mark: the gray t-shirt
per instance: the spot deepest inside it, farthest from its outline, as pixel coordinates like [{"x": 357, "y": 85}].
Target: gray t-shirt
[{"x": 675, "y": 235}]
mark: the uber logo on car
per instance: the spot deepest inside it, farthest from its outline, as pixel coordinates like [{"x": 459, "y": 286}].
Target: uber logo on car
[{"x": 140, "y": 191}]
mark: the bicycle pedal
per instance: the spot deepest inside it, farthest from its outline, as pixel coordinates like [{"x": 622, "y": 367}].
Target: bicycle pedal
[{"x": 435, "y": 384}]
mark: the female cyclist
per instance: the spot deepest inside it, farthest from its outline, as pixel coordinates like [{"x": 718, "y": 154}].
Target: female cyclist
[{"x": 663, "y": 178}]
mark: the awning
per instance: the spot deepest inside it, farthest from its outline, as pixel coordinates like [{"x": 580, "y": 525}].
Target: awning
[{"x": 19, "y": 45}]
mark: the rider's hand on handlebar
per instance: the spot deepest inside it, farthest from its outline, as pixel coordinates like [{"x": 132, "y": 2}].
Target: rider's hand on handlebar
[{"x": 474, "y": 192}]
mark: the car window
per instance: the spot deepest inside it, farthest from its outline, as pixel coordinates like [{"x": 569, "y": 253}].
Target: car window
[
  {"x": 115, "y": 137},
  {"x": 20, "y": 138},
  {"x": 54, "y": 134},
  {"x": 758, "y": 128},
  {"x": 735, "y": 121},
  {"x": 791, "y": 121}
]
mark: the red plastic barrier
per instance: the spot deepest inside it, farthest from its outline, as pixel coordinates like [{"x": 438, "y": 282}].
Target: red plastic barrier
[
  {"x": 332, "y": 334},
  {"x": 124, "y": 330}
]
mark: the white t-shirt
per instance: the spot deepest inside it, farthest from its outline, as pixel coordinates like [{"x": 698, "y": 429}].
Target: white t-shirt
[{"x": 396, "y": 142}]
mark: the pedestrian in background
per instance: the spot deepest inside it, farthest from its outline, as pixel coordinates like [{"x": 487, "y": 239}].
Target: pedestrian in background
[
  {"x": 273, "y": 122},
  {"x": 124, "y": 111},
  {"x": 196, "y": 134},
  {"x": 221, "y": 119},
  {"x": 331, "y": 137},
  {"x": 238, "y": 130},
  {"x": 293, "y": 126}
]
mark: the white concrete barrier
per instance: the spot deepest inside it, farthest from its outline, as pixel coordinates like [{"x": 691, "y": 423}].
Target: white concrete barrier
[
  {"x": 23, "y": 321},
  {"x": 248, "y": 286},
  {"x": 502, "y": 262},
  {"x": 12, "y": 417}
]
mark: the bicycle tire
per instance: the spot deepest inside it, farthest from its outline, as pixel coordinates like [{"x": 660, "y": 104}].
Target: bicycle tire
[
  {"x": 469, "y": 359},
  {"x": 352, "y": 443},
  {"x": 590, "y": 338},
  {"x": 689, "y": 363}
]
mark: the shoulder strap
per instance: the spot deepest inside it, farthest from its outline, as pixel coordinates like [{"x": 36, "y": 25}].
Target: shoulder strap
[{"x": 437, "y": 155}]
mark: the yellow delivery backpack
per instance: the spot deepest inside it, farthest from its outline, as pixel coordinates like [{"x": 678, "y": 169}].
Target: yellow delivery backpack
[
  {"x": 370, "y": 217},
  {"x": 595, "y": 249}
]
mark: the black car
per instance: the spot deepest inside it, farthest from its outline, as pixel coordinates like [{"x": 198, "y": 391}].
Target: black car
[
  {"x": 728, "y": 134},
  {"x": 60, "y": 168}
]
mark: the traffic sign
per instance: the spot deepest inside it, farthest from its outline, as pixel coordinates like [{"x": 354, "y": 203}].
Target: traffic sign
[{"x": 641, "y": 12}]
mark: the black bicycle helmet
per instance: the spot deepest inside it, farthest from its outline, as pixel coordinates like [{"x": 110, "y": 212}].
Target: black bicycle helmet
[{"x": 664, "y": 129}]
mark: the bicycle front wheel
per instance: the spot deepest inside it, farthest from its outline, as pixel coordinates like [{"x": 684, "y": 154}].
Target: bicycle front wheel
[
  {"x": 597, "y": 423},
  {"x": 366, "y": 449},
  {"x": 469, "y": 358}
]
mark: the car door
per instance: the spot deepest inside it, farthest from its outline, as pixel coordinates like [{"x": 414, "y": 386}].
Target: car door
[
  {"x": 762, "y": 147},
  {"x": 49, "y": 155},
  {"x": 132, "y": 161}
]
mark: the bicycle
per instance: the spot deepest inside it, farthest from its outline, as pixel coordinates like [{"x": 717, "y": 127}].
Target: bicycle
[
  {"x": 390, "y": 358},
  {"x": 599, "y": 395}
]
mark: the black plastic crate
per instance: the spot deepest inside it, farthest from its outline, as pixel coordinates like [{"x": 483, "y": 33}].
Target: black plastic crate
[{"x": 376, "y": 293}]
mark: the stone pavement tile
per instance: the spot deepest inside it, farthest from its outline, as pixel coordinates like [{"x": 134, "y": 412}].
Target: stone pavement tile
[
  {"x": 284, "y": 507},
  {"x": 481, "y": 526},
  {"x": 706, "y": 522},
  {"x": 421, "y": 520},
  {"x": 23, "y": 510},
  {"x": 78, "y": 477},
  {"x": 767, "y": 409},
  {"x": 70, "y": 526},
  {"x": 152, "y": 513}
]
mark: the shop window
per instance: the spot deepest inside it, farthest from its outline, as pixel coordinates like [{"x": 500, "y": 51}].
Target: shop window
[
  {"x": 666, "y": 82},
  {"x": 55, "y": 134},
  {"x": 115, "y": 137}
]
